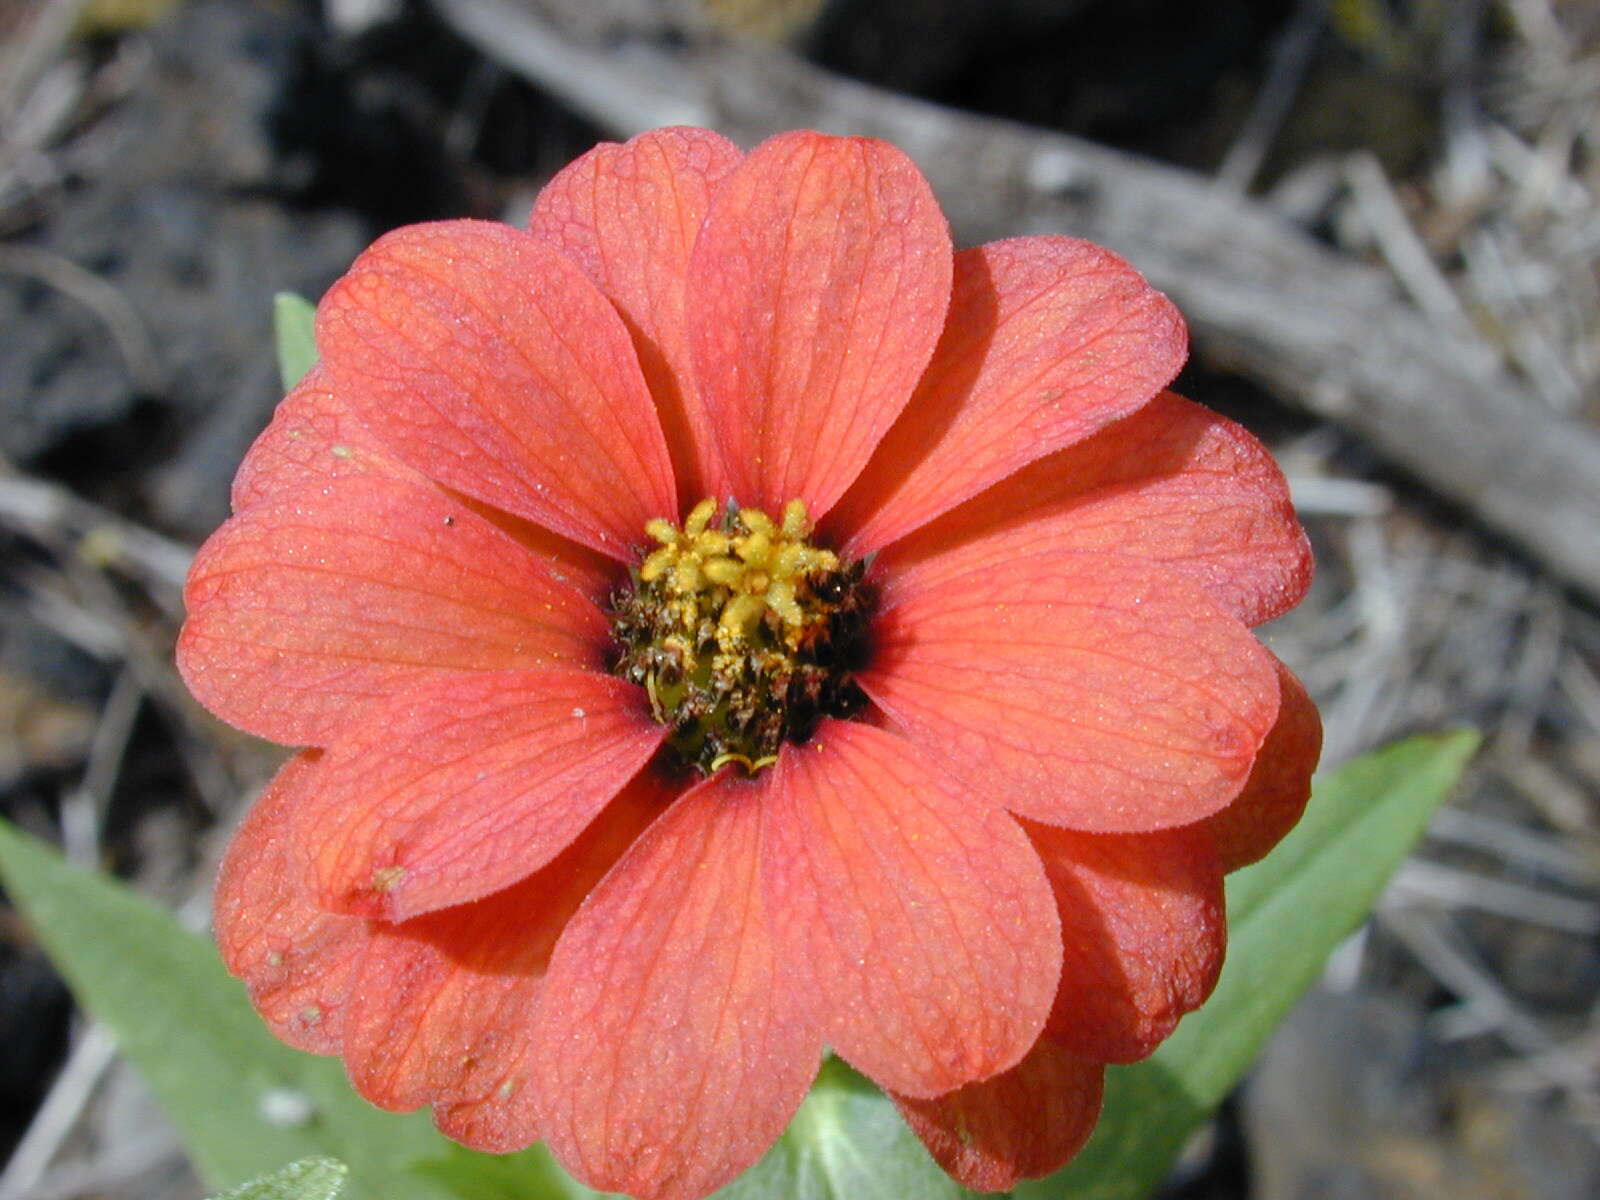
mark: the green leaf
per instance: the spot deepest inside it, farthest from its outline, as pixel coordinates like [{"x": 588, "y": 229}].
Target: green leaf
[
  {"x": 1286, "y": 914},
  {"x": 847, "y": 1142},
  {"x": 308, "y": 1179},
  {"x": 293, "y": 323},
  {"x": 243, "y": 1102}
]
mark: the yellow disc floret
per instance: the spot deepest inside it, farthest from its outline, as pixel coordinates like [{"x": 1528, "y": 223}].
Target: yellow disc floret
[
  {"x": 742, "y": 632},
  {"x": 743, "y": 574}
]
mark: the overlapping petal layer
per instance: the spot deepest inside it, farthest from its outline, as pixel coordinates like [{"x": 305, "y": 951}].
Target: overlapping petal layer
[
  {"x": 817, "y": 290},
  {"x": 462, "y": 786},
  {"x": 1047, "y": 340},
  {"x": 671, "y": 1049},
  {"x": 1174, "y": 482},
  {"x": 1279, "y": 786},
  {"x": 296, "y": 957},
  {"x": 443, "y": 1006},
  {"x": 1142, "y": 934},
  {"x": 1021, "y": 1124},
  {"x": 629, "y": 215},
  {"x": 1088, "y": 690},
  {"x": 483, "y": 358},
  {"x": 315, "y": 437},
  {"x": 915, "y": 913},
  {"x": 306, "y": 610}
]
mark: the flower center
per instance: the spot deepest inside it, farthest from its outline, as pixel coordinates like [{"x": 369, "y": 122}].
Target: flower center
[{"x": 743, "y": 633}]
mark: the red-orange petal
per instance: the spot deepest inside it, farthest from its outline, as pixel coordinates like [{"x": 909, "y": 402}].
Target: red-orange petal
[
  {"x": 482, "y": 357},
  {"x": 461, "y": 786},
  {"x": 296, "y": 958},
  {"x": 1048, "y": 339},
  {"x": 1279, "y": 786},
  {"x": 670, "y": 1051},
  {"x": 313, "y": 437},
  {"x": 817, "y": 291},
  {"x": 628, "y": 215},
  {"x": 1174, "y": 482},
  {"x": 1022, "y": 1124},
  {"x": 917, "y": 914},
  {"x": 1143, "y": 930},
  {"x": 306, "y": 610},
  {"x": 443, "y": 1006},
  {"x": 1087, "y": 690}
]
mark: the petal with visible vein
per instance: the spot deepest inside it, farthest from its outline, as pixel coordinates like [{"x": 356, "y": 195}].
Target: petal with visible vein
[
  {"x": 1174, "y": 483},
  {"x": 670, "y": 1051},
  {"x": 306, "y": 610},
  {"x": 461, "y": 786},
  {"x": 1088, "y": 690},
  {"x": 817, "y": 291},
  {"x": 918, "y": 914},
  {"x": 483, "y": 358},
  {"x": 296, "y": 958},
  {"x": 313, "y": 437},
  {"x": 1021, "y": 1124},
  {"x": 1048, "y": 339},
  {"x": 628, "y": 215}
]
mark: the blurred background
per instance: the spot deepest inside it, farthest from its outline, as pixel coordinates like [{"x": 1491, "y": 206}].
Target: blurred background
[{"x": 1380, "y": 216}]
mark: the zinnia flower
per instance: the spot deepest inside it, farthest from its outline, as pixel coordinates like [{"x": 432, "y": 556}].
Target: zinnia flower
[{"x": 724, "y": 624}]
